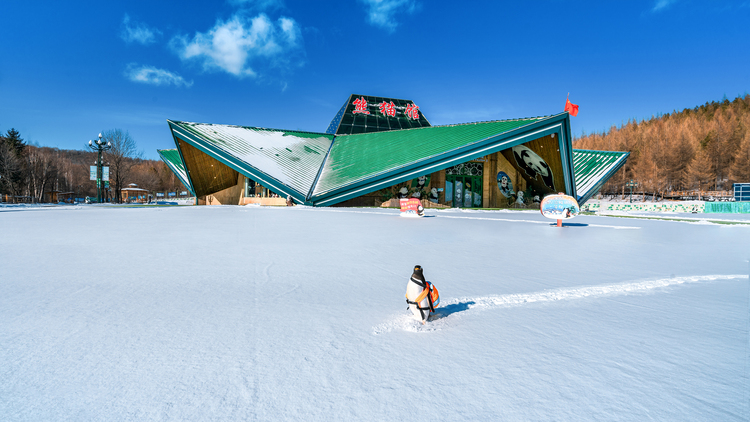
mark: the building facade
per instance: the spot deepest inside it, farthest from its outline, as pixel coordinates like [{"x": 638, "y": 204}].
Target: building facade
[{"x": 380, "y": 149}]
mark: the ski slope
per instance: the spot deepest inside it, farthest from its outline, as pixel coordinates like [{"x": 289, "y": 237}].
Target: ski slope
[{"x": 260, "y": 313}]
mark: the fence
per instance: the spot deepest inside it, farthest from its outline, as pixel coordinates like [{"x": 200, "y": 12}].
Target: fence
[
  {"x": 689, "y": 207},
  {"x": 727, "y": 207}
]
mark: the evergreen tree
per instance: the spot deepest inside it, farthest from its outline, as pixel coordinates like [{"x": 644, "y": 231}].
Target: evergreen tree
[
  {"x": 12, "y": 164},
  {"x": 13, "y": 139}
]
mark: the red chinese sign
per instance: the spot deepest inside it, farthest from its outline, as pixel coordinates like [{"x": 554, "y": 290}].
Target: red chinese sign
[
  {"x": 411, "y": 206},
  {"x": 360, "y": 106},
  {"x": 388, "y": 109},
  {"x": 412, "y": 111}
]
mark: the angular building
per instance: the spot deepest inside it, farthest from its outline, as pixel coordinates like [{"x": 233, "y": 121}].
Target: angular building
[{"x": 377, "y": 149}]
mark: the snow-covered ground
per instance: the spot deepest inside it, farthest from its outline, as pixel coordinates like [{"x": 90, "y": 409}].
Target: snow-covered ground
[
  {"x": 255, "y": 313},
  {"x": 697, "y": 217}
]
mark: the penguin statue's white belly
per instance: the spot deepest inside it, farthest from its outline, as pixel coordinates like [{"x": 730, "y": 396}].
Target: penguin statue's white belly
[{"x": 413, "y": 290}]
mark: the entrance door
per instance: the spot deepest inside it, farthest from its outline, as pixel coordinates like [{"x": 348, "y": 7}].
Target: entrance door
[{"x": 467, "y": 190}]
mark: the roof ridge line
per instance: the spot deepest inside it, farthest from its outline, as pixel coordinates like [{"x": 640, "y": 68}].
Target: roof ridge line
[
  {"x": 253, "y": 127},
  {"x": 537, "y": 118},
  {"x": 320, "y": 170}
]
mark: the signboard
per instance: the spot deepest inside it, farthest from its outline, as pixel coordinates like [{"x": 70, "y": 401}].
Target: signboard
[
  {"x": 183, "y": 193},
  {"x": 92, "y": 173},
  {"x": 172, "y": 193},
  {"x": 105, "y": 173},
  {"x": 559, "y": 207},
  {"x": 386, "y": 108},
  {"x": 364, "y": 113},
  {"x": 411, "y": 207},
  {"x": 159, "y": 194}
]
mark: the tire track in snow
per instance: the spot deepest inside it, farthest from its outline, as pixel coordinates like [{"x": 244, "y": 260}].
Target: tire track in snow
[{"x": 461, "y": 306}]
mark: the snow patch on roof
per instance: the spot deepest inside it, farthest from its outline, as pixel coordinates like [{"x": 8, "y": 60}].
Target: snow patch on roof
[{"x": 292, "y": 158}]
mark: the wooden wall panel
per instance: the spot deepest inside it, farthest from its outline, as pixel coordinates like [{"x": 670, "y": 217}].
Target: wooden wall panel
[
  {"x": 208, "y": 174},
  {"x": 497, "y": 163},
  {"x": 547, "y": 148},
  {"x": 229, "y": 196},
  {"x": 490, "y": 188},
  {"x": 437, "y": 180}
]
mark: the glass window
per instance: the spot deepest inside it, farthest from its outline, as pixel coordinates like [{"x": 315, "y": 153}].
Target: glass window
[
  {"x": 467, "y": 169},
  {"x": 348, "y": 119},
  {"x": 249, "y": 188}
]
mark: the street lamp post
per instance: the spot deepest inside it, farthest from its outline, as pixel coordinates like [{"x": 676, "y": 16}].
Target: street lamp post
[
  {"x": 631, "y": 185},
  {"x": 99, "y": 146}
]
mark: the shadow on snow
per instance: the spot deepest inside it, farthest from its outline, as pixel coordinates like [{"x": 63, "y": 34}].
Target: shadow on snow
[{"x": 451, "y": 309}]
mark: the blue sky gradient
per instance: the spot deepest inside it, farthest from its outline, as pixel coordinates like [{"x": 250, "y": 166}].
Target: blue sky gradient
[{"x": 71, "y": 70}]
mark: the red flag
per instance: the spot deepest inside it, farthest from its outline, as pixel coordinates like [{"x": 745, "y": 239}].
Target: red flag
[{"x": 571, "y": 108}]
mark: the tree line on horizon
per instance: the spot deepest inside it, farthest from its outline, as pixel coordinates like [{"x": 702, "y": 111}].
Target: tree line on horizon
[
  {"x": 28, "y": 171},
  {"x": 704, "y": 148}
]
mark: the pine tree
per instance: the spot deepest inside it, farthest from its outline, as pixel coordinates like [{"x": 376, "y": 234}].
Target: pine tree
[
  {"x": 13, "y": 139},
  {"x": 12, "y": 164}
]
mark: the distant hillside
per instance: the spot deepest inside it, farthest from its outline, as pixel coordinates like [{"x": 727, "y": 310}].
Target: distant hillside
[
  {"x": 706, "y": 147},
  {"x": 72, "y": 173},
  {"x": 27, "y": 172}
]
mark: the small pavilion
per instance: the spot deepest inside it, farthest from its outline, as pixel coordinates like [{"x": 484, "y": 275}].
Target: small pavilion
[{"x": 133, "y": 193}]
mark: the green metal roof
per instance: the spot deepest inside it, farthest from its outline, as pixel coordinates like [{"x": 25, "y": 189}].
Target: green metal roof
[
  {"x": 291, "y": 159},
  {"x": 322, "y": 169},
  {"x": 593, "y": 168},
  {"x": 172, "y": 159},
  {"x": 358, "y": 157}
]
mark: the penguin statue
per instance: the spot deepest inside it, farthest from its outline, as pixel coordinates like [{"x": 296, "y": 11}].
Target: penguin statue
[{"x": 421, "y": 295}]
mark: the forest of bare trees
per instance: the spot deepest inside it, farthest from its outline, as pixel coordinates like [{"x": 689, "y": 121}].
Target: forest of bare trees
[
  {"x": 28, "y": 173},
  {"x": 703, "y": 148}
]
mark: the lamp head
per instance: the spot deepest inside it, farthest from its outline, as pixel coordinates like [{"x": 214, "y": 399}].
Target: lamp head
[
  {"x": 89, "y": 143},
  {"x": 100, "y": 136}
]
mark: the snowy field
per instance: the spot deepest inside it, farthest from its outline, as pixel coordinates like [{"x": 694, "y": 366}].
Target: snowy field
[
  {"x": 250, "y": 313},
  {"x": 698, "y": 217}
]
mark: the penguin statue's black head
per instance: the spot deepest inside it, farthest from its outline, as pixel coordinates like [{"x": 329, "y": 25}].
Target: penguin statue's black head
[{"x": 418, "y": 273}]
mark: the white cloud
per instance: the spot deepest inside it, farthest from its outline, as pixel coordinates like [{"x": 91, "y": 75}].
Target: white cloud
[
  {"x": 137, "y": 32},
  {"x": 153, "y": 76},
  {"x": 662, "y": 4},
  {"x": 383, "y": 13},
  {"x": 231, "y": 46}
]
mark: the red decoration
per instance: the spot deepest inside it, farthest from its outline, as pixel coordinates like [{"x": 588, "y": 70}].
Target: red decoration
[
  {"x": 571, "y": 108},
  {"x": 388, "y": 109},
  {"x": 360, "y": 106},
  {"x": 411, "y": 206},
  {"x": 412, "y": 111}
]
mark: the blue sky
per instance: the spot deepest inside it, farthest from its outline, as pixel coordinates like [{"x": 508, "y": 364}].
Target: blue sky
[{"x": 72, "y": 69}]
